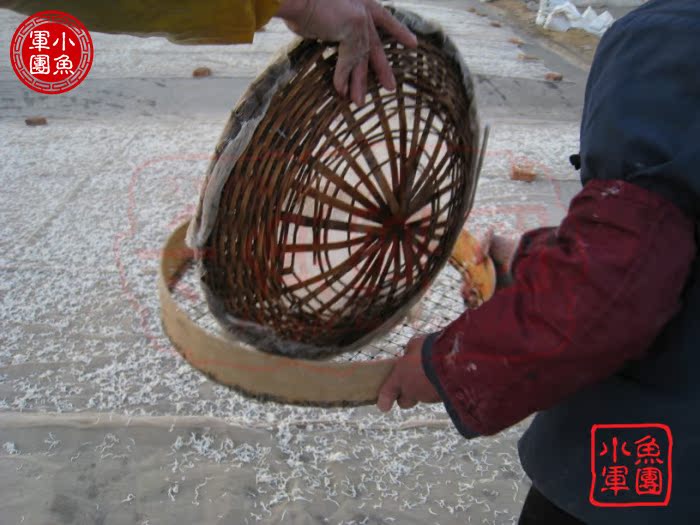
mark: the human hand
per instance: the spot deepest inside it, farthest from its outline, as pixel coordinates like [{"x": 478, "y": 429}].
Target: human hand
[
  {"x": 407, "y": 383},
  {"x": 501, "y": 249},
  {"x": 352, "y": 23}
]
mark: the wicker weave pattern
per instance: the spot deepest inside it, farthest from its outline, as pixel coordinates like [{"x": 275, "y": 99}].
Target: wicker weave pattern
[{"x": 334, "y": 219}]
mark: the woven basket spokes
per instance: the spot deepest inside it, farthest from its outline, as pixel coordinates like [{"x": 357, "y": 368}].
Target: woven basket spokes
[{"x": 336, "y": 217}]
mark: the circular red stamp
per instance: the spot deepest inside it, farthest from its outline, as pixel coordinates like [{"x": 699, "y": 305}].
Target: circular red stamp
[{"x": 51, "y": 52}]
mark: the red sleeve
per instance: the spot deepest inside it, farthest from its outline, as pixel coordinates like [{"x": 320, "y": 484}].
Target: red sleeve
[{"x": 586, "y": 298}]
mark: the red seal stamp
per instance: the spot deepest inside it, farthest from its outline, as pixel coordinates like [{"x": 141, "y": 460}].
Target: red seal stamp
[
  {"x": 631, "y": 465},
  {"x": 51, "y": 52}
]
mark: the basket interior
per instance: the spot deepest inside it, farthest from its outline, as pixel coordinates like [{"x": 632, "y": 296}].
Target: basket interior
[{"x": 336, "y": 218}]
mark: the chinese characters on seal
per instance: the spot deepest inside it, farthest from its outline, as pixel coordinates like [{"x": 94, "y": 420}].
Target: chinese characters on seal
[
  {"x": 631, "y": 465},
  {"x": 51, "y": 52}
]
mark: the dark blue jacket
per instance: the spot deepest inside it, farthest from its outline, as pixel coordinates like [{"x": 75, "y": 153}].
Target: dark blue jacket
[{"x": 641, "y": 124}]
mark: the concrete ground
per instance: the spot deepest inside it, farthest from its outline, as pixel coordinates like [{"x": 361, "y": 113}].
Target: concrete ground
[{"x": 100, "y": 421}]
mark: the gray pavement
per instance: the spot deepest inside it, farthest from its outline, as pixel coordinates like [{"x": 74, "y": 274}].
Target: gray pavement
[{"x": 100, "y": 421}]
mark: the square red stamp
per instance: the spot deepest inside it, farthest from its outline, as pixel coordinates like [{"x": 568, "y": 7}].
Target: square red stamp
[{"x": 631, "y": 465}]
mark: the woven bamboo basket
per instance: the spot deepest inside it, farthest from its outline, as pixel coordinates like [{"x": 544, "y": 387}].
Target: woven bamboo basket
[{"x": 321, "y": 223}]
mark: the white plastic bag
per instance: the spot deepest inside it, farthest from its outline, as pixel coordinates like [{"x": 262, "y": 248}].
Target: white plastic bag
[{"x": 562, "y": 15}]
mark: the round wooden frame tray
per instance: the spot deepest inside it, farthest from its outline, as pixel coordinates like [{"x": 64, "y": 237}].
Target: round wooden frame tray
[{"x": 275, "y": 377}]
